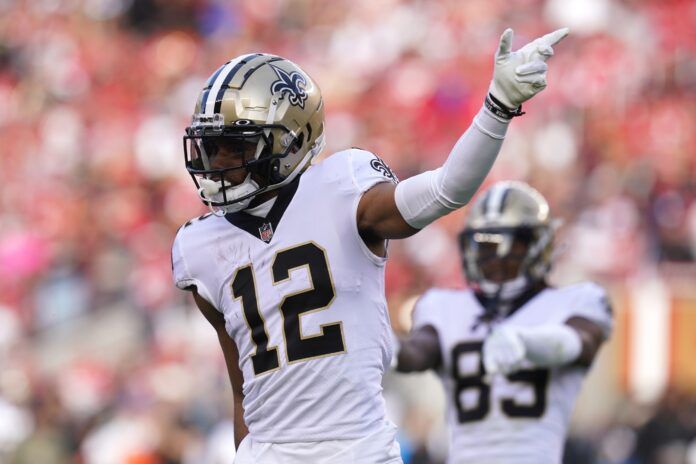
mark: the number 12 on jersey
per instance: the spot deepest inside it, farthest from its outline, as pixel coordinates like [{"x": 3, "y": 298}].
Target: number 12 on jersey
[{"x": 297, "y": 346}]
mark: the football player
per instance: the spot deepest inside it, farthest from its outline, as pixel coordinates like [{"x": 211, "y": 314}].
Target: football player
[
  {"x": 511, "y": 351},
  {"x": 288, "y": 266}
]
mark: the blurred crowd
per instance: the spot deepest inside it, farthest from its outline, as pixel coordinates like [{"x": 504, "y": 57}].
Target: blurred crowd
[{"x": 103, "y": 361}]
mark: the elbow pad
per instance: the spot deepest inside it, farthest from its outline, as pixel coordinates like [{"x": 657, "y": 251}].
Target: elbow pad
[{"x": 423, "y": 198}]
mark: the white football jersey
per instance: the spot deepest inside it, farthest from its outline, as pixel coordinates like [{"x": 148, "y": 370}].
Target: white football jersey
[
  {"x": 521, "y": 418},
  {"x": 303, "y": 299}
]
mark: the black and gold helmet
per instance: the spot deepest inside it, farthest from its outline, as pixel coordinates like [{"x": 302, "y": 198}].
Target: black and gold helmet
[
  {"x": 262, "y": 105},
  {"x": 507, "y": 241}
]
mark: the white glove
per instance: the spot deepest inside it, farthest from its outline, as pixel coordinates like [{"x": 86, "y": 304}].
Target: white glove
[
  {"x": 503, "y": 351},
  {"x": 519, "y": 75}
]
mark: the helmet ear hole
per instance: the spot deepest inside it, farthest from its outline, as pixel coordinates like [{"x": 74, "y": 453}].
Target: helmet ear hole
[
  {"x": 275, "y": 167},
  {"x": 297, "y": 144}
]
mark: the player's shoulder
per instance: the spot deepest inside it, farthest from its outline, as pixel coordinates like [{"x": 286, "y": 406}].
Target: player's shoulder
[
  {"x": 444, "y": 300},
  {"x": 590, "y": 300},
  {"x": 197, "y": 227},
  {"x": 190, "y": 254},
  {"x": 348, "y": 155},
  {"x": 583, "y": 290},
  {"x": 360, "y": 167},
  {"x": 345, "y": 160},
  {"x": 442, "y": 307},
  {"x": 438, "y": 294},
  {"x": 199, "y": 222}
]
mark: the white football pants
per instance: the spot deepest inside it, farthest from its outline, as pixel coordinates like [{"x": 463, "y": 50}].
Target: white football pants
[{"x": 379, "y": 448}]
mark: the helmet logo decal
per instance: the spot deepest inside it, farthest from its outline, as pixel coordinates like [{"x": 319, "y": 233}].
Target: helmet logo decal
[
  {"x": 293, "y": 84},
  {"x": 380, "y": 166}
]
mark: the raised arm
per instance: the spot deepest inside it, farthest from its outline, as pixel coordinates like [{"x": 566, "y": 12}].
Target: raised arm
[
  {"x": 229, "y": 349},
  {"x": 387, "y": 211}
]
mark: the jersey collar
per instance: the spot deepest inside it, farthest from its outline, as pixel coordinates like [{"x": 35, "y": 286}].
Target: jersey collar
[
  {"x": 490, "y": 313},
  {"x": 263, "y": 228}
]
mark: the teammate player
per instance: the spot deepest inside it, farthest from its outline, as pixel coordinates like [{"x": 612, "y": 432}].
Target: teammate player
[
  {"x": 511, "y": 352},
  {"x": 289, "y": 265}
]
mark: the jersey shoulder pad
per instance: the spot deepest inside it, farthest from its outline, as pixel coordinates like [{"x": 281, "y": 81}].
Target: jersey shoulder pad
[
  {"x": 592, "y": 302},
  {"x": 364, "y": 168},
  {"x": 433, "y": 306},
  {"x": 369, "y": 169},
  {"x": 186, "y": 268}
]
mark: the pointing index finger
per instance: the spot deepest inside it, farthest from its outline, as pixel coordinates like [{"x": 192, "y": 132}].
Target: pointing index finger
[{"x": 552, "y": 38}]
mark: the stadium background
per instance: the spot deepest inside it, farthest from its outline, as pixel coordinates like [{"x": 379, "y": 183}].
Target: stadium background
[{"x": 103, "y": 361}]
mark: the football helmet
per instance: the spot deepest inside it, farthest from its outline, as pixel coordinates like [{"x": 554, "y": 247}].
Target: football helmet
[
  {"x": 262, "y": 117},
  {"x": 507, "y": 241}
]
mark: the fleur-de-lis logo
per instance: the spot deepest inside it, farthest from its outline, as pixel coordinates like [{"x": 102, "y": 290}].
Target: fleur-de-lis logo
[
  {"x": 380, "y": 166},
  {"x": 293, "y": 84}
]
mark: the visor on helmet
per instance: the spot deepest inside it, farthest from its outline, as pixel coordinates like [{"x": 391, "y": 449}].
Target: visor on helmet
[
  {"x": 229, "y": 154},
  {"x": 499, "y": 254}
]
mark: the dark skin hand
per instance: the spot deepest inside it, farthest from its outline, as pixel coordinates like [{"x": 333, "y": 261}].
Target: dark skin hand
[
  {"x": 229, "y": 350},
  {"x": 420, "y": 350}
]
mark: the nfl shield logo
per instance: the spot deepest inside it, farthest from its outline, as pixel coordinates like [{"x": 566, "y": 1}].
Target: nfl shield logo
[{"x": 266, "y": 232}]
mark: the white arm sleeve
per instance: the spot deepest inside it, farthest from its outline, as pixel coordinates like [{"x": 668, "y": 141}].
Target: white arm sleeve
[
  {"x": 423, "y": 198},
  {"x": 552, "y": 345}
]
